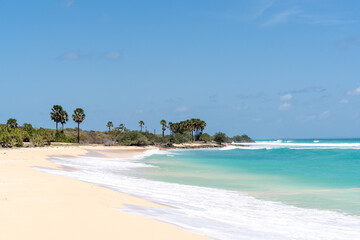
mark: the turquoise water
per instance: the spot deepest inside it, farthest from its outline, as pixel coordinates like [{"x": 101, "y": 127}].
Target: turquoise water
[
  {"x": 276, "y": 190},
  {"x": 322, "y": 174}
]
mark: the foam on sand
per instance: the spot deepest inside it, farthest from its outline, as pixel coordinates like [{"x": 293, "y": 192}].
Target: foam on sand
[{"x": 217, "y": 213}]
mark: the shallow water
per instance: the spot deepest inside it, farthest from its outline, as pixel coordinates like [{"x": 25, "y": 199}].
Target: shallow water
[{"x": 265, "y": 191}]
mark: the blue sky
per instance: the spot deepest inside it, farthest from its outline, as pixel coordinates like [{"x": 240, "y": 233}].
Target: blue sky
[{"x": 271, "y": 69}]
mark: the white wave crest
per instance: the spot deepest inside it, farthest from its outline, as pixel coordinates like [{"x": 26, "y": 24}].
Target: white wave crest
[
  {"x": 219, "y": 214},
  {"x": 314, "y": 145}
]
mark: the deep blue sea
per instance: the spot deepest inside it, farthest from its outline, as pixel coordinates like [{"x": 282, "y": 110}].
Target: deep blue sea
[{"x": 274, "y": 189}]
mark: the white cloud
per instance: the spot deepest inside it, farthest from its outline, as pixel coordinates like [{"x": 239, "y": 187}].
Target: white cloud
[
  {"x": 70, "y": 56},
  {"x": 181, "y": 109},
  {"x": 69, "y": 3},
  {"x": 74, "y": 55},
  {"x": 287, "y": 97},
  {"x": 281, "y": 17},
  {"x": 324, "y": 115},
  {"x": 309, "y": 118},
  {"x": 113, "y": 55},
  {"x": 344, "y": 101},
  {"x": 285, "y": 107},
  {"x": 354, "y": 92},
  {"x": 351, "y": 40},
  {"x": 265, "y": 6},
  {"x": 139, "y": 111}
]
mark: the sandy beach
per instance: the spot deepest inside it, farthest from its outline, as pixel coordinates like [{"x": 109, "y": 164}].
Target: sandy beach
[{"x": 38, "y": 205}]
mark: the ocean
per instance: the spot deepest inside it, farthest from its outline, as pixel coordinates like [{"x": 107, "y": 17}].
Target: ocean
[{"x": 274, "y": 189}]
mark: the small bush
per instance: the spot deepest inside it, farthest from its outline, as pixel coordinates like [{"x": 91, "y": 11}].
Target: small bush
[
  {"x": 205, "y": 137},
  {"x": 242, "y": 138},
  {"x": 38, "y": 140},
  {"x": 220, "y": 137},
  {"x": 182, "y": 138},
  {"x": 133, "y": 138},
  {"x": 5, "y": 139}
]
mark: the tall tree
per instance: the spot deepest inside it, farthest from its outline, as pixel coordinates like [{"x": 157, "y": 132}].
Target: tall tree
[
  {"x": 141, "y": 124},
  {"x": 171, "y": 127},
  {"x": 164, "y": 126},
  {"x": 122, "y": 128},
  {"x": 12, "y": 122},
  {"x": 56, "y": 114},
  {"x": 109, "y": 125},
  {"x": 64, "y": 118},
  {"x": 78, "y": 117}
]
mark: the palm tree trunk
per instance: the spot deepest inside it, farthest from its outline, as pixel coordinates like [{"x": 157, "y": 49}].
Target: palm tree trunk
[
  {"x": 78, "y": 138},
  {"x": 56, "y": 126}
]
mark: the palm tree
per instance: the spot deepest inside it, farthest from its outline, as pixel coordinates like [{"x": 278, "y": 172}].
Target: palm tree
[
  {"x": 64, "y": 118},
  {"x": 12, "y": 122},
  {"x": 109, "y": 125},
  {"x": 163, "y": 123},
  {"x": 141, "y": 124},
  {"x": 56, "y": 114},
  {"x": 191, "y": 127},
  {"x": 122, "y": 128},
  {"x": 78, "y": 117},
  {"x": 202, "y": 126},
  {"x": 171, "y": 127}
]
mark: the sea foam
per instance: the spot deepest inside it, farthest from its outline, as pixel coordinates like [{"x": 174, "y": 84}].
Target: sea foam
[
  {"x": 217, "y": 213},
  {"x": 292, "y": 145}
]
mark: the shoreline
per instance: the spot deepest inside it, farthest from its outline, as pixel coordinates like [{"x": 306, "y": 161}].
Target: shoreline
[
  {"x": 214, "y": 212},
  {"x": 38, "y": 205}
]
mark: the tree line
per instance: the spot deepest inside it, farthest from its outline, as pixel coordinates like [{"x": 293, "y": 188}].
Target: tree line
[
  {"x": 59, "y": 115},
  {"x": 185, "y": 131}
]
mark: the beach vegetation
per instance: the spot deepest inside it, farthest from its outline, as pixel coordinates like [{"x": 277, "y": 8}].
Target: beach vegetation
[
  {"x": 133, "y": 138},
  {"x": 109, "y": 125},
  {"x": 12, "y": 123},
  {"x": 141, "y": 124},
  {"x": 163, "y": 127},
  {"x": 205, "y": 137},
  {"x": 78, "y": 117},
  {"x": 11, "y": 137},
  {"x": 220, "y": 138},
  {"x": 64, "y": 119},
  {"x": 56, "y": 114},
  {"x": 241, "y": 139}
]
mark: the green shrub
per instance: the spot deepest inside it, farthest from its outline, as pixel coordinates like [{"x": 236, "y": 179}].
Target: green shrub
[
  {"x": 5, "y": 139},
  {"x": 242, "y": 138},
  {"x": 133, "y": 138},
  {"x": 28, "y": 131},
  {"x": 47, "y": 135},
  {"x": 220, "y": 137},
  {"x": 10, "y": 137},
  {"x": 205, "y": 137},
  {"x": 38, "y": 140},
  {"x": 61, "y": 137},
  {"x": 18, "y": 141},
  {"x": 182, "y": 138}
]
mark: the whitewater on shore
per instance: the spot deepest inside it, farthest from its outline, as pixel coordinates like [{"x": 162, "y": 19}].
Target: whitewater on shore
[{"x": 214, "y": 212}]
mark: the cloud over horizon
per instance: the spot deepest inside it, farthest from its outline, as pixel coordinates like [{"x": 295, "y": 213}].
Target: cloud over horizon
[
  {"x": 285, "y": 107},
  {"x": 77, "y": 55},
  {"x": 281, "y": 17},
  {"x": 69, "y": 3},
  {"x": 287, "y": 97},
  {"x": 354, "y": 92}
]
